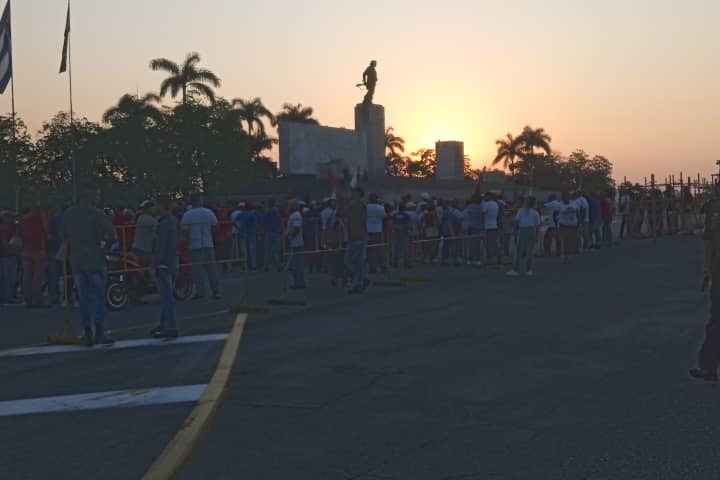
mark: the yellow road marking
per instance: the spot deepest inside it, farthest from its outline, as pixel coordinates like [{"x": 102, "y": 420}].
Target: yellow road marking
[{"x": 178, "y": 452}]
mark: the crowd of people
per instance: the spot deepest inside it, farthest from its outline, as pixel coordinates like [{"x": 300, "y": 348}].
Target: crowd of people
[{"x": 347, "y": 237}]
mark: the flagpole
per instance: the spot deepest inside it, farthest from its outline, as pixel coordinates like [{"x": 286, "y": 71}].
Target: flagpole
[
  {"x": 12, "y": 110},
  {"x": 72, "y": 127}
]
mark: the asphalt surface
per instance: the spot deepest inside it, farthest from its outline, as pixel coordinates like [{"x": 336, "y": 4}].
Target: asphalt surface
[{"x": 577, "y": 373}]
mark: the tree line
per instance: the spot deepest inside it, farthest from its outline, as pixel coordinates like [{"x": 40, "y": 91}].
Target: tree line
[
  {"x": 141, "y": 148},
  {"x": 209, "y": 143},
  {"x": 528, "y": 157}
]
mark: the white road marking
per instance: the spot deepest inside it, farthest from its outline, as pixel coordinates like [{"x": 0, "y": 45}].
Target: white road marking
[
  {"x": 144, "y": 342},
  {"x": 100, "y": 400}
]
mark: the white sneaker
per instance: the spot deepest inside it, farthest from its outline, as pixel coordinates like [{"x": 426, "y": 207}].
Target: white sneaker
[
  {"x": 530, "y": 273},
  {"x": 512, "y": 273}
]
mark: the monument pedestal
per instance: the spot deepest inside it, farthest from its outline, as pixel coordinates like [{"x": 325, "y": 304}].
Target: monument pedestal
[{"x": 370, "y": 119}]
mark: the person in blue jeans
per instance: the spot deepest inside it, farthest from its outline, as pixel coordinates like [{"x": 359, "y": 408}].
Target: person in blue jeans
[
  {"x": 272, "y": 225},
  {"x": 249, "y": 220},
  {"x": 356, "y": 252},
  {"x": 595, "y": 217},
  {"x": 85, "y": 229},
  {"x": 55, "y": 267},
  {"x": 166, "y": 262}
]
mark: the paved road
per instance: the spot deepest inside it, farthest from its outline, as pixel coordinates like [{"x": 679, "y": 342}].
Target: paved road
[{"x": 577, "y": 373}]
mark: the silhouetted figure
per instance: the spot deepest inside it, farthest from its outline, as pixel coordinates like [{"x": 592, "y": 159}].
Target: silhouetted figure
[
  {"x": 709, "y": 355},
  {"x": 370, "y": 80}
]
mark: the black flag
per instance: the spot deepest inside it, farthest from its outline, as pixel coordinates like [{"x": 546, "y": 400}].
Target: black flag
[{"x": 63, "y": 62}]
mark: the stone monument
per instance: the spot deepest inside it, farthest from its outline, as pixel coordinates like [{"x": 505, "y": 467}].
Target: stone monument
[
  {"x": 450, "y": 160},
  {"x": 370, "y": 119}
]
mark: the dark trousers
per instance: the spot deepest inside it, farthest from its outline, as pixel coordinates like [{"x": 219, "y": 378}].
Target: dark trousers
[
  {"x": 34, "y": 266},
  {"x": 709, "y": 356},
  {"x": 370, "y": 93}
]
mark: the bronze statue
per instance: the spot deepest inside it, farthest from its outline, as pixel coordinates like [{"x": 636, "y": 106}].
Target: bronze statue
[{"x": 370, "y": 80}]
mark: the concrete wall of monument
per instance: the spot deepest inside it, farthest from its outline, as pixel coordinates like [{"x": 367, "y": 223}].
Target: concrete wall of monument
[{"x": 311, "y": 149}]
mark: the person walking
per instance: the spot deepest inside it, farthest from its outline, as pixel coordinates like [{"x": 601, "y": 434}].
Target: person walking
[
  {"x": 528, "y": 223},
  {"x": 165, "y": 262},
  {"x": 85, "y": 230},
  {"x": 355, "y": 254},
  {"x": 197, "y": 223}
]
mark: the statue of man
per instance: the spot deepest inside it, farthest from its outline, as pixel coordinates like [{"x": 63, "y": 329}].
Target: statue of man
[{"x": 370, "y": 80}]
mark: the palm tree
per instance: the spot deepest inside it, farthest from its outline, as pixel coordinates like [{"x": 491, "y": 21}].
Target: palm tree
[
  {"x": 134, "y": 107},
  {"x": 187, "y": 78},
  {"x": 394, "y": 145},
  {"x": 508, "y": 151},
  {"x": 252, "y": 112},
  {"x": 530, "y": 139},
  {"x": 296, "y": 113}
]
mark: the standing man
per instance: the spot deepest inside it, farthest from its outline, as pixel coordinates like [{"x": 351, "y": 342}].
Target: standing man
[
  {"x": 709, "y": 355},
  {"x": 491, "y": 210},
  {"x": 584, "y": 219},
  {"x": 249, "y": 220},
  {"x": 85, "y": 229},
  {"x": 55, "y": 267},
  {"x": 370, "y": 81},
  {"x": 198, "y": 223},
  {"x": 272, "y": 225},
  {"x": 355, "y": 255},
  {"x": 297, "y": 245},
  {"x": 606, "y": 212},
  {"x": 144, "y": 239},
  {"x": 375, "y": 215},
  {"x": 166, "y": 262},
  {"x": 624, "y": 209}
]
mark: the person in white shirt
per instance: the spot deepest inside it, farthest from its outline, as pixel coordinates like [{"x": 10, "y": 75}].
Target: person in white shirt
[
  {"x": 490, "y": 210},
  {"x": 197, "y": 224},
  {"x": 584, "y": 220},
  {"x": 528, "y": 226},
  {"x": 297, "y": 245},
  {"x": 377, "y": 255},
  {"x": 552, "y": 207},
  {"x": 144, "y": 241},
  {"x": 624, "y": 206},
  {"x": 568, "y": 225}
]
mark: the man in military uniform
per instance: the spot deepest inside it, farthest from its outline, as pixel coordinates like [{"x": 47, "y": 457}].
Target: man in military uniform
[
  {"x": 709, "y": 356},
  {"x": 370, "y": 80}
]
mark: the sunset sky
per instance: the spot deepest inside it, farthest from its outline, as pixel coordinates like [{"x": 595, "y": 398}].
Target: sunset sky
[{"x": 635, "y": 80}]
